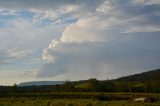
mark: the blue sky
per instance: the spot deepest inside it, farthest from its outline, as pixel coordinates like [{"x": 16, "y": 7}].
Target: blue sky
[{"x": 77, "y": 39}]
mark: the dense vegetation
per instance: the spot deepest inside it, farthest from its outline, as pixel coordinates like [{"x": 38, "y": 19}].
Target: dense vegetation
[
  {"x": 144, "y": 82},
  {"x": 90, "y": 92},
  {"x": 68, "y": 102},
  {"x": 78, "y": 99}
]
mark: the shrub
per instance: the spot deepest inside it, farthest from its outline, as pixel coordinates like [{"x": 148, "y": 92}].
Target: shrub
[
  {"x": 89, "y": 104},
  {"x": 70, "y": 104}
]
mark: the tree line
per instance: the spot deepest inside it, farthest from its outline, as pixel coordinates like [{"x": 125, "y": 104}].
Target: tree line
[{"x": 91, "y": 85}]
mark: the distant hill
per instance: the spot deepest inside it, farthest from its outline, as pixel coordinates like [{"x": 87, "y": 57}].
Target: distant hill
[
  {"x": 143, "y": 82},
  {"x": 141, "y": 77},
  {"x": 145, "y": 76},
  {"x": 38, "y": 83}
]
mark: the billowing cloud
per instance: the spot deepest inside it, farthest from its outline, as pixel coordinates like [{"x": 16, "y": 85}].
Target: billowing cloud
[
  {"x": 107, "y": 43},
  {"x": 91, "y": 38},
  {"x": 103, "y": 59},
  {"x": 84, "y": 30}
]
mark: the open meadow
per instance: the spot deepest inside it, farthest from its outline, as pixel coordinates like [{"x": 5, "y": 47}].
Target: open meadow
[{"x": 79, "y": 99}]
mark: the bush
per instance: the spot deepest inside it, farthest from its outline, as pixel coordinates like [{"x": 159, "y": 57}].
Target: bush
[
  {"x": 70, "y": 104},
  {"x": 89, "y": 104}
]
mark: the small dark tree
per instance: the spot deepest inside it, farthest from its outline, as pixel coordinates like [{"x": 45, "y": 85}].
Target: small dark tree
[
  {"x": 148, "y": 87},
  {"x": 14, "y": 88}
]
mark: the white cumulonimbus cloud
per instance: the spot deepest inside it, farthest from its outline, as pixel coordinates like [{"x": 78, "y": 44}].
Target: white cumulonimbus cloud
[
  {"x": 108, "y": 43},
  {"x": 98, "y": 38}
]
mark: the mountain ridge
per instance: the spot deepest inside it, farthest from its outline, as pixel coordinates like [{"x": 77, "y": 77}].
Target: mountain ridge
[
  {"x": 139, "y": 77},
  {"x": 144, "y": 76},
  {"x": 39, "y": 83}
]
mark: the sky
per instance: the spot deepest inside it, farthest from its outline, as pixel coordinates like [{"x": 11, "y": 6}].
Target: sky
[{"x": 77, "y": 39}]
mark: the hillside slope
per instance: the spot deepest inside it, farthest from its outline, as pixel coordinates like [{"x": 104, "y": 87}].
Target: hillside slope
[{"x": 145, "y": 76}]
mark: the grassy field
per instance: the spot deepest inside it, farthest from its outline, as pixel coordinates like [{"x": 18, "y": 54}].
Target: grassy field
[{"x": 78, "y": 99}]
